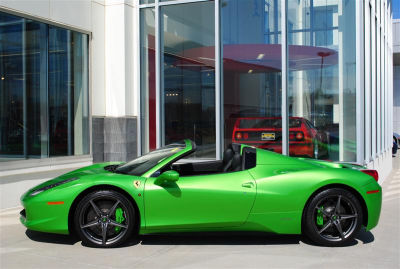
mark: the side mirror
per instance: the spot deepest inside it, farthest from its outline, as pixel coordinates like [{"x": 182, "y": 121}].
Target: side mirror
[{"x": 168, "y": 176}]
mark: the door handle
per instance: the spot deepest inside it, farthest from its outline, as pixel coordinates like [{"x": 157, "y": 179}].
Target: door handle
[{"x": 248, "y": 185}]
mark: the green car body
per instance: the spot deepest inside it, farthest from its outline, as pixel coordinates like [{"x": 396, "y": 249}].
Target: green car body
[{"x": 270, "y": 197}]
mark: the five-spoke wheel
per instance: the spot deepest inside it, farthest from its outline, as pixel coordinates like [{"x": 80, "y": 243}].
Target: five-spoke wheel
[
  {"x": 333, "y": 217},
  {"x": 104, "y": 219}
]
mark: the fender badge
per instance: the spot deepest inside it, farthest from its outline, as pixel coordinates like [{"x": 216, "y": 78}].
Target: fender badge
[{"x": 136, "y": 183}]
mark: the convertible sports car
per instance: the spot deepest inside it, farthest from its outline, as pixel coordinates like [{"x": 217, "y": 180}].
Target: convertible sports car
[
  {"x": 304, "y": 139},
  {"x": 251, "y": 189}
]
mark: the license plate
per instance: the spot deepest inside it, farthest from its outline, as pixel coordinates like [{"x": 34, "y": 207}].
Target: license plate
[{"x": 267, "y": 136}]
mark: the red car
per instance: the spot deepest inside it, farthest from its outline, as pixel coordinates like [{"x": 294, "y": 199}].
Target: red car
[{"x": 262, "y": 132}]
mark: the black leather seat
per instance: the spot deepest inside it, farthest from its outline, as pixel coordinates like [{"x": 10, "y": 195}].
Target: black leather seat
[
  {"x": 236, "y": 162},
  {"x": 232, "y": 160},
  {"x": 227, "y": 160}
]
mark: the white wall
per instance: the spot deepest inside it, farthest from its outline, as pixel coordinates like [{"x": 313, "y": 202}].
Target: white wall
[
  {"x": 396, "y": 36},
  {"x": 120, "y": 59},
  {"x": 76, "y": 13}
]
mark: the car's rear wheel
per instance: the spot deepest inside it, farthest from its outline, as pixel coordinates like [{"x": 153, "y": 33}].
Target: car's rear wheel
[
  {"x": 104, "y": 218},
  {"x": 333, "y": 217}
]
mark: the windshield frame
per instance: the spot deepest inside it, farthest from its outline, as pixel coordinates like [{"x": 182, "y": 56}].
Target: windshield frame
[{"x": 187, "y": 147}]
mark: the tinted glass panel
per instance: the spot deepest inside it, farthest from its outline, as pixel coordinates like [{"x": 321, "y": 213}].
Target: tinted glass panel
[
  {"x": 321, "y": 78},
  {"x": 59, "y": 92},
  {"x": 44, "y": 90},
  {"x": 252, "y": 72},
  {"x": 188, "y": 75},
  {"x": 36, "y": 88},
  {"x": 148, "y": 80},
  {"x": 12, "y": 87}
]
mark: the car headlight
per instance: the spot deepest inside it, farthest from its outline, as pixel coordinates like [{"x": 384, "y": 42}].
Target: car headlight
[{"x": 45, "y": 188}]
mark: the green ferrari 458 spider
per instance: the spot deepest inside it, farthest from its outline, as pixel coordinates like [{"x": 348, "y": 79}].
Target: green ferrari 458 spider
[{"x": 249, "y": 190}]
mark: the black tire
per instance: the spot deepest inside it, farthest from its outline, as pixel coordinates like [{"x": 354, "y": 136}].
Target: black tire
[
  {"x": 104, "y": 218},
  {"x": 333, "y": 217}
]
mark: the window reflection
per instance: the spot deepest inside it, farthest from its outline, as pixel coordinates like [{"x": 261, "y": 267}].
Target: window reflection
[
  {"x": 148, "y": 80},
  {"x": 44, "y": 90},
  {"x": 321, "y": 77},
  {"x": 189, "y": 75},
  {"x": 12, "y": 132},
  {"x": 252, "y": 73}
]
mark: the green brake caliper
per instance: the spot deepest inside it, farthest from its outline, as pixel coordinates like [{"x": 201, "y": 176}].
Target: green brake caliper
[
  {"x": 119, "y": 217},
  {"x": 320, "y": 217}
]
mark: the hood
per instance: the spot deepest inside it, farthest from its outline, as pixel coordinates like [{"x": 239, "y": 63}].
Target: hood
[{"x": 94, "y": 169}]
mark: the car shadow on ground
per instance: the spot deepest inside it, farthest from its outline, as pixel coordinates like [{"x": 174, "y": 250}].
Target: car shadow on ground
[
  {"x": 219, "y": 238},
  {"x": 242, "y": 238},
  {"x": 209, "y": 238},
  {"x": 51, "y": 238}
]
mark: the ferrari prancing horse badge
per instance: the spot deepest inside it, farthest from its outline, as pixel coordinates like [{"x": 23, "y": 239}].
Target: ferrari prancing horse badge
[{"x": 136, "y": 183}]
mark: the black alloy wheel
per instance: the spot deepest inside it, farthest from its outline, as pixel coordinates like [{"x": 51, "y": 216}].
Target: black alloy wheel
[
  {"x": 333, "y": 217},
  {"x": 104, "y": 218}
]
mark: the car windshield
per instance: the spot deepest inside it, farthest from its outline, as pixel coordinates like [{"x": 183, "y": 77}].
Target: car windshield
[
  {"x": 267, "y": 123},
  {"x": 142, "y": 164}
]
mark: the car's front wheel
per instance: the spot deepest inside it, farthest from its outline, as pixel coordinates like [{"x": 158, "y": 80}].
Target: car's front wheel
[
  {"x": 104, "y": 218},
  {"x": 333, "y": 217}
]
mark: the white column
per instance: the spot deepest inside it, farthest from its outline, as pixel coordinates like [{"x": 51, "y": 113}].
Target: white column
[{"x": 120, "y": 56}]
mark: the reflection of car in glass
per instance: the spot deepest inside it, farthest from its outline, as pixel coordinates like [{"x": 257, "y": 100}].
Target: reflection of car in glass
[
  {"x": 250, "y": 189},
  {"x": 304, "y": 139}
]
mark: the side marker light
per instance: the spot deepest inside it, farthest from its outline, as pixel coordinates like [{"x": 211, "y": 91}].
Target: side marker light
[
  {"x": 370, "y": 192},
  {"x": 55, "y": 203}
]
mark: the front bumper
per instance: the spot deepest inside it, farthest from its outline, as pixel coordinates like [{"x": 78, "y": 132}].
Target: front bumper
[{"x": 39, "y": 215}]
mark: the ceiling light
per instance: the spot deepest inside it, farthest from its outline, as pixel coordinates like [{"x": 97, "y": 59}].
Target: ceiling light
[
  {"x": 250, "y": 71},
  {"x": 260, "y": 56}
]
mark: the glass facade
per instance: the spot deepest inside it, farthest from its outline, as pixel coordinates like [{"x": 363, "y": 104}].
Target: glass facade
[
  {"x": 251, "y": 36},
  {"x": 147, "y": 80},
  {"x": 188, "y": 75},
  {"x": 322, "y": 78},
  {"x": 44, "y": 109},
  {"x": 218, "y": 76}
]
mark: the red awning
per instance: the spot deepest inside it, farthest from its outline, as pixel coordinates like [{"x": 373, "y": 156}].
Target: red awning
[{"x": 259, "y": 57}]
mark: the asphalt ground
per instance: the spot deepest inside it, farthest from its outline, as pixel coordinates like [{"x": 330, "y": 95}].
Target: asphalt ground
[{"x": 379, "y": 248}]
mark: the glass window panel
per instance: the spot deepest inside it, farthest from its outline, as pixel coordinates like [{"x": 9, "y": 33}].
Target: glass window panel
[
  {"x": 36, "y": 88},
  {"x": 44, "y": 108},
  {"x": 188, "y": 75},
  {"x": 148, "y": 80},
  {"x": 146, "y": 2},
  {"x": 80, "y": 90},
  {"x": 59, "y": 92},
  {"x": 321, "y": 79},
  {"x": 12, "y": 87},
  {"x": 252, "y": 73}
]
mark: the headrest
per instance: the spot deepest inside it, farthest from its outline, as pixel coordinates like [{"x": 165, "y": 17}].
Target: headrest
[
  {"x": 236, "y": 162},
  {"x": 228, "y": 155}
]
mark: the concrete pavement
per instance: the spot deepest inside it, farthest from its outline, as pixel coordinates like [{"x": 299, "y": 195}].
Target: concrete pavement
[{"x": 379, "y": 248}]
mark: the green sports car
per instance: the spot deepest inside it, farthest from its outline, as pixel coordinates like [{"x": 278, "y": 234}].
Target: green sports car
[{"x": 166, "y": 191}]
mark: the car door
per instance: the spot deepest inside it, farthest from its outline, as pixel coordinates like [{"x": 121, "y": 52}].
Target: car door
[{"x": 202, "y": 201}]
